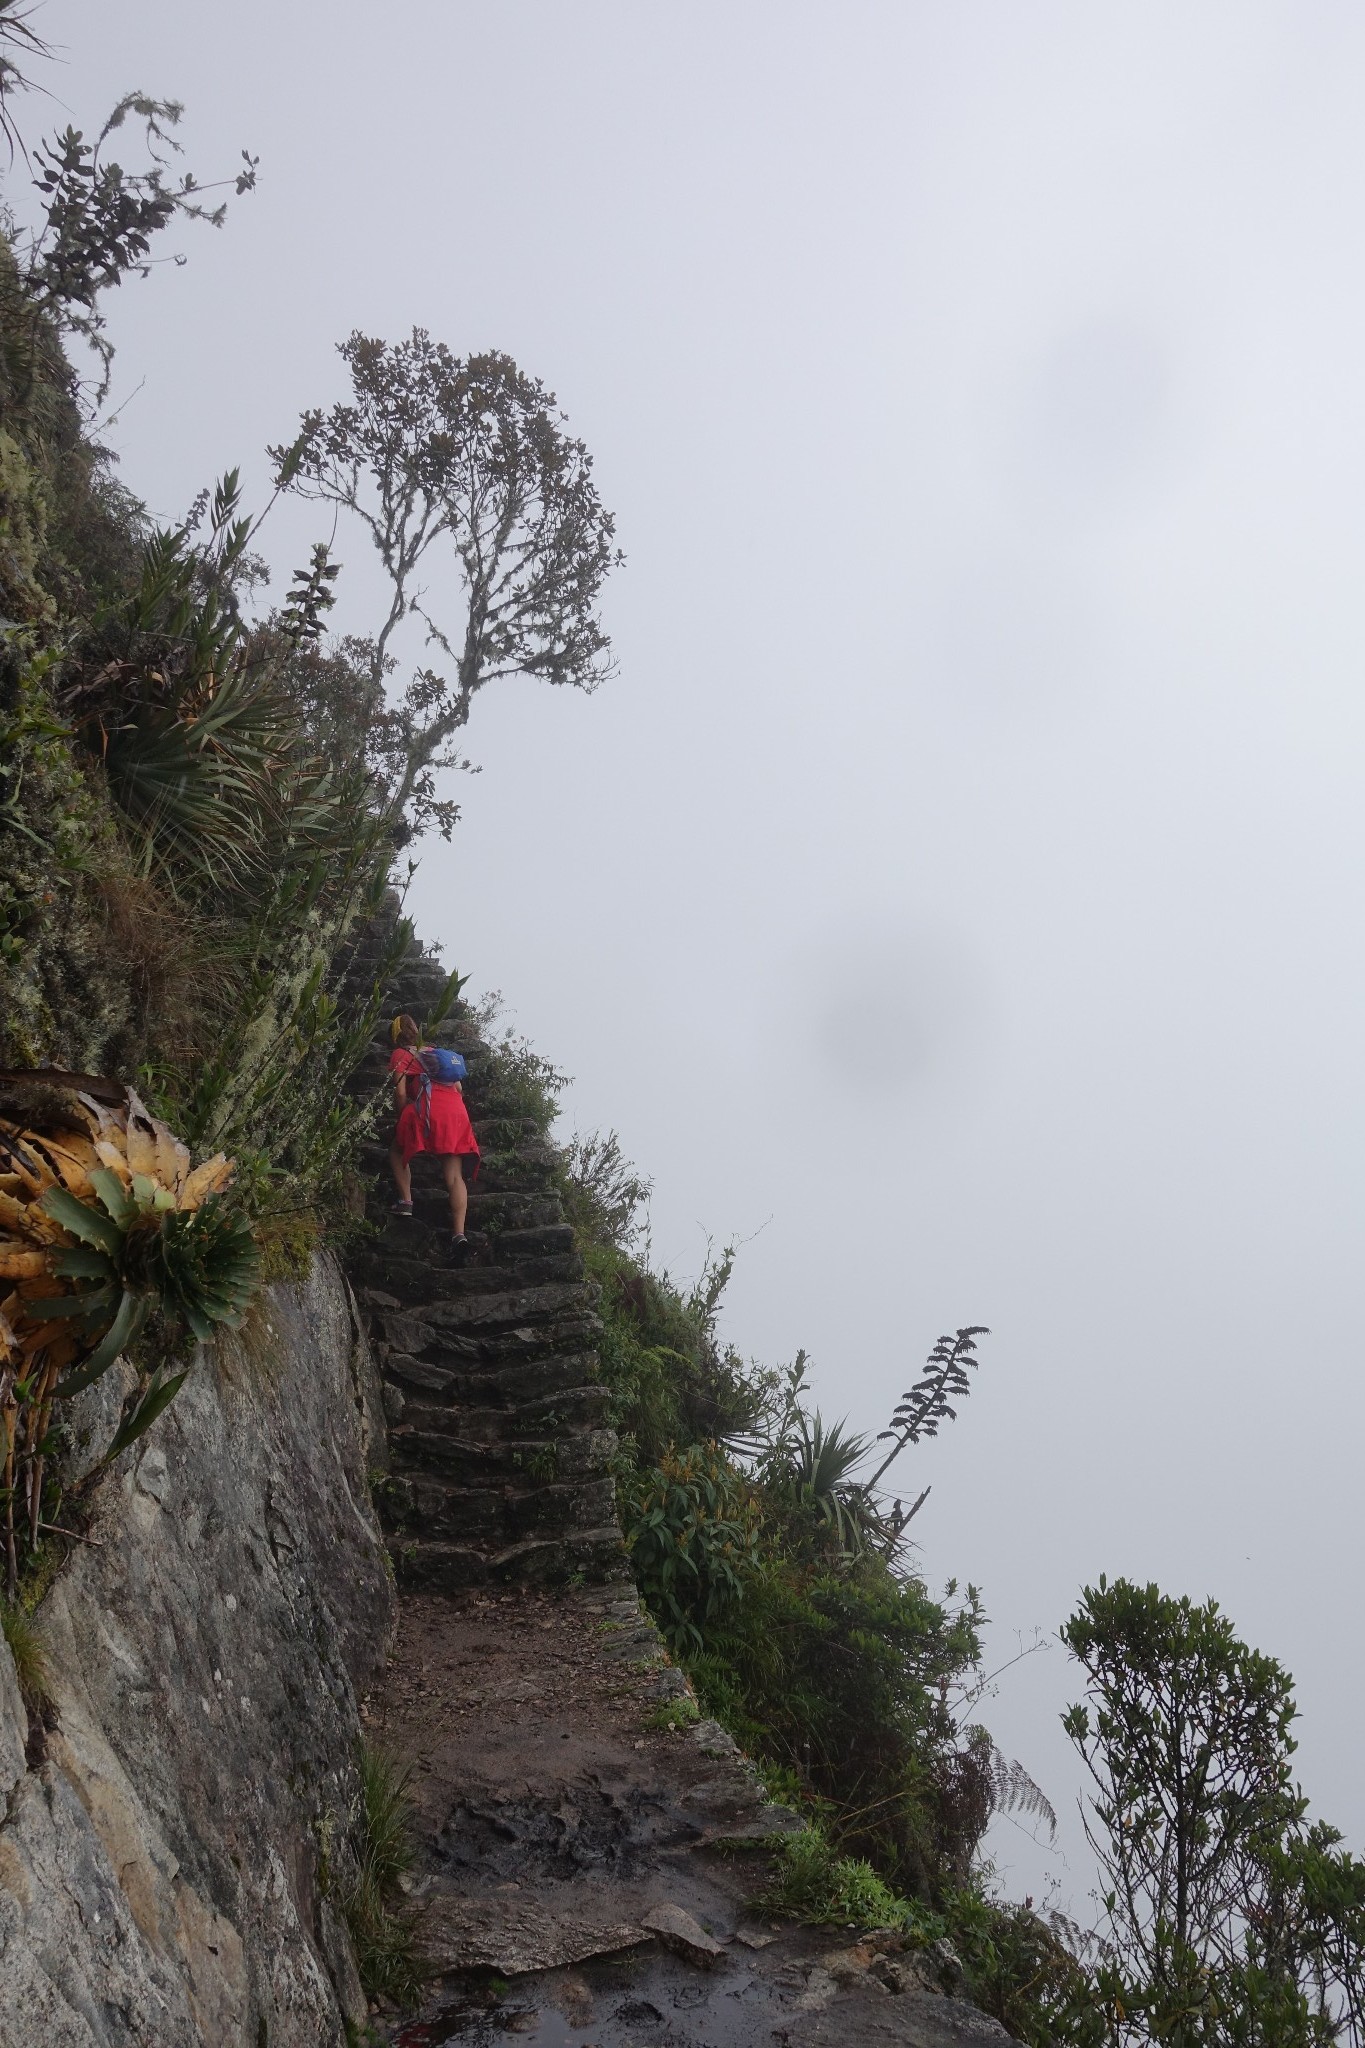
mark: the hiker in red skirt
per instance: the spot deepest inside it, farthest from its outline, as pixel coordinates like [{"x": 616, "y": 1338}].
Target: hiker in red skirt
[{"x": 431, "y": 1118}]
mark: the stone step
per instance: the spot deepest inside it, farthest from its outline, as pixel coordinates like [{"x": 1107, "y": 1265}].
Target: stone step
[
  {"x": 425, "y": 1235},
  {"x": 480, "y": 1359},
  {"x": 419, "y": 1506},
  {"x": 546, "y": 1240},
  {"x": 405, "y": 1331},
  {"x": 499, "y": 1210},
  {"x": 514, "y": 1389},
  {"x": 512, "y": 1310},
  {"x": 548, "y": 1236},
  {"x": 424, "y": 1504},
  {"x": 514, "y": 1461},
  {"x": 415, "y": 1263},
  {"x": 417, "y": 975},
  {"x": 517, "y": 1173},
  {"x": 533, "y": 1341},
  {"x": 491, "y": 1213},
  {"x": 437, "y": 1291},
  {"x": 538, "y": 1340},
  {"x": 556, "y": 1415},
  {"x": 594, "y": 1555}
]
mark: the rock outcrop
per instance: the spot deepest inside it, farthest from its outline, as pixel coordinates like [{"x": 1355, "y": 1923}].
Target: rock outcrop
[{"x": 165, "y": 1827}]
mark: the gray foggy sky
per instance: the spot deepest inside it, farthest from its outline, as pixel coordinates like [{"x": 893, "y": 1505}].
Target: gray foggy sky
[{"x": 958, "y": 886}]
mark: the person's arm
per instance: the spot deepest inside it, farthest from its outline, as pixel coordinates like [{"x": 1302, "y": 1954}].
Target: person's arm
[{"x": 400, "y": 1082}]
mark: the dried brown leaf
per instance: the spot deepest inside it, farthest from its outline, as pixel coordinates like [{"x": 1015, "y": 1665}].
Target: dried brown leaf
[
  {"x": 209, "y": 1179},
  {"x": 21, "y": 1265},
  {"x": 141, "y": 1144},
  {"x": 112, "y": 1155}
]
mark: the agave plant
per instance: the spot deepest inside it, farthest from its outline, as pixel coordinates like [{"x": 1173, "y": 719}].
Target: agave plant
[
  {"x": 101, "y": 1219},
  {"x": 819, "y": 1480},
  {"x": 809, "y": 1467}
]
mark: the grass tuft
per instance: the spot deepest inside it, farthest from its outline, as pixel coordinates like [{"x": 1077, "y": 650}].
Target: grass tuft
[
  {"x": 382, "y": 1928},
  {"x": 287, "y": 1240},
  {"x": 681, "y": 1712},
  {"x": 30, "y": 1658}
]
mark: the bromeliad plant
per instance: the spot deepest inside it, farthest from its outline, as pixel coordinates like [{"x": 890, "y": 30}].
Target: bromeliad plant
[{"x": 102, "y": 1218}]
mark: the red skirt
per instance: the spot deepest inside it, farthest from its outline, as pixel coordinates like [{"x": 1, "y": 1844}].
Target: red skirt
[{"x": 437, "y": 1122}]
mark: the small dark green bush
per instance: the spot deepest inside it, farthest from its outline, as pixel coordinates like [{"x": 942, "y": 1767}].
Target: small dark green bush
[{"x": 692, "y": 1530}]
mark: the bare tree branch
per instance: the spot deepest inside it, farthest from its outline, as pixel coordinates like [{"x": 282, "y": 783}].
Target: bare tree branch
[{"x": 465, "y": 459}]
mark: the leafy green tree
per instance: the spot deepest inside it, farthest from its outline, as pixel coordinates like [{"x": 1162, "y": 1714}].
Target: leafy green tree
[{"x": 1231, "y": 1919}]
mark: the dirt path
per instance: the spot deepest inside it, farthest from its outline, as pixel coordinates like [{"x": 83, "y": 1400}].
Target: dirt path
[{"x": 558, "y": 1814}]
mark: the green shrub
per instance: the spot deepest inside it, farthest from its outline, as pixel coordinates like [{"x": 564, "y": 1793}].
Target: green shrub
[
  {"x": 842, "y": 1677},
  {"x": 514, "y": 1080},
  {"x": 691, "y": 1529},
  {"x": 671, "y": 1378},
  {"x": 812, "y": 1882},
  {"x": 1017, "y": 1968},
  {"x": 605, "y": 1196},
  {"x": 68, "y": 978},
  {"x": 682, "y": 1712}
]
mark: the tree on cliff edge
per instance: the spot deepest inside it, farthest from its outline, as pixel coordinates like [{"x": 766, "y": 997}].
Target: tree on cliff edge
[{"x": 466, "y": 457}]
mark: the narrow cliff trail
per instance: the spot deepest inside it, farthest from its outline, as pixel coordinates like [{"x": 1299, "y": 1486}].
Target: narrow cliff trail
[
  {"x": 586, "y": 1872},
  {"x": 588, "y": 1846}
]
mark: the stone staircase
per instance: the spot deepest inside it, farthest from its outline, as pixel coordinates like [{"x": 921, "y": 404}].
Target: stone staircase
[{"x": 499, "y": 1451}]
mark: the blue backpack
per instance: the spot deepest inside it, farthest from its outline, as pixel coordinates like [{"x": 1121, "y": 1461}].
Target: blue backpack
[{"x": 442, "y": 1065}]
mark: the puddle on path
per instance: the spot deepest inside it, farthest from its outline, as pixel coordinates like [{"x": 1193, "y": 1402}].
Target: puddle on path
[{"x": 667, "y": 2008}]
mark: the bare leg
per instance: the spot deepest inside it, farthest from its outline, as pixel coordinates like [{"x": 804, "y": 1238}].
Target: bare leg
[
  {"x": 402, "y": 1173},
  {"x": 459, "y": 1193}
]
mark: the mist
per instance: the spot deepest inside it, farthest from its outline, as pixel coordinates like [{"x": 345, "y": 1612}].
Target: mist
[{"x": 954, "y": 895}]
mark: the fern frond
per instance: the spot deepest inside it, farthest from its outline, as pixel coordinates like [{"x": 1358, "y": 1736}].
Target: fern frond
[
  {"x": 1014, "y": 1791},
  {"x": 1082, "y": 1942}
]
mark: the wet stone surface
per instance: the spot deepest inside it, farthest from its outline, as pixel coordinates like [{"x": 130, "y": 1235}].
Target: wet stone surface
[{"x": 578, "y": 1883}]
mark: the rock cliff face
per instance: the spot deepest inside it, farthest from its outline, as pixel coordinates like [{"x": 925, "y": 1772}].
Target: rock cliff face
[{"x": 164, "y": 1840}]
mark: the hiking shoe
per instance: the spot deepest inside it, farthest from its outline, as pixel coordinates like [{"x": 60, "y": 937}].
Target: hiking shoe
[{"x": 400, "y": 1208}]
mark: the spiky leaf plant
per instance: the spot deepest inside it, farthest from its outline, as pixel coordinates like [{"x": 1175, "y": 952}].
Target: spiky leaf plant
[
  {"x": 818, "y": 1481},
  {"x": 102, "y": 1217}
]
